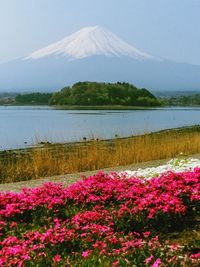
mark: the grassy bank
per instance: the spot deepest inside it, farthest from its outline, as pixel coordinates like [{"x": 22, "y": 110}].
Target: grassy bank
[{"x": 77, "y": 157}]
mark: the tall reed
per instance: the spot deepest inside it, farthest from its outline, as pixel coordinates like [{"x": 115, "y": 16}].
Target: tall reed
[{"x": 93, "y": 155}]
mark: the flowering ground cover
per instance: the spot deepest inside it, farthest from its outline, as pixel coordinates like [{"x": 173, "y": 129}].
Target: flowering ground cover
[
  {"x": 103, "y": 220},
  {"x": 175, "y": 165}
]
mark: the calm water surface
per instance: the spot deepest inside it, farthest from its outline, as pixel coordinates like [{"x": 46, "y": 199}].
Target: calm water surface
[{"x": 24, "y": 126}]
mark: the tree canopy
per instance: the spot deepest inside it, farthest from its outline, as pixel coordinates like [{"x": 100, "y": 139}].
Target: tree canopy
[
  {"x": 33, "y": 98},
  {"x": 96, "y": 94}
]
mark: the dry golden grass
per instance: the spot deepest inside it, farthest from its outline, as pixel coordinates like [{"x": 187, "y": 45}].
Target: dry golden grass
[{"x": 62, "y": 159}]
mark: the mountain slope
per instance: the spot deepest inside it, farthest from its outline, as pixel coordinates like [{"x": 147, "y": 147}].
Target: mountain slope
[
  {"x": 95, "y": 54},
  {"x": 50, "y": 74}
]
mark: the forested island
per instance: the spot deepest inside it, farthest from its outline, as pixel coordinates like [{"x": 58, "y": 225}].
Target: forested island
[
  {"x": 102, "y": 94},
  {"x": 93, "y": 94}
]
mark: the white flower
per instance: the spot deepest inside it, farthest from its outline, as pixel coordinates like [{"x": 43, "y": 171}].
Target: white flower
[{"x": 175, "y": 165}]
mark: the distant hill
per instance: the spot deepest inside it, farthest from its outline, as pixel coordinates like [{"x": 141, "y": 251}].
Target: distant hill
[
  {"x": 175, "y": 93},
  {"x": 181, "y": 100}
]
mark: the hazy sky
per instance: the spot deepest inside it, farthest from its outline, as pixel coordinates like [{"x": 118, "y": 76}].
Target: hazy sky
[{"x": 166, "y": 28}]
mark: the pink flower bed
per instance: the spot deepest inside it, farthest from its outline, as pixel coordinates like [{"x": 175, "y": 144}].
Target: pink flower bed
[{"x": 103, "y": 220}]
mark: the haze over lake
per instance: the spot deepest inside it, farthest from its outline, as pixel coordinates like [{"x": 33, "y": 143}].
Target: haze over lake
[{"x": 24, "y": 126}]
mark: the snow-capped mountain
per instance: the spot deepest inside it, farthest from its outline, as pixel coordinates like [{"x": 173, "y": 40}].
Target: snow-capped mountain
[
  {"x": 90, "y": 41},
  {"x": 95, "y": 54}
]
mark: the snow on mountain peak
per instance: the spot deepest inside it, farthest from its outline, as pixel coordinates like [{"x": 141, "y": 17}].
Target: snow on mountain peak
[{"x": 87, "y": 42}]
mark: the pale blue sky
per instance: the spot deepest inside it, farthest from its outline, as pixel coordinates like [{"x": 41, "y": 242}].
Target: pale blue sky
[{"x": 166, "y": 28}]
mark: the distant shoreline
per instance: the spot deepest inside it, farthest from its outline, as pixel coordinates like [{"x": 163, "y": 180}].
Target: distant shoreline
[
  {"x": 49, "y": 160},
  {"x": 47, "y": 145},
  {"x": 83, "y": 107},
  {"x": 108, "y": 107}
]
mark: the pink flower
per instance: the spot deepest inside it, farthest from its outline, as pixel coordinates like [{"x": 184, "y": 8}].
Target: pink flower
[
  {"x": 86, "y": 253},
  {"x": 148, "y": 260},
  {"x": 116, "y": 263},
  {"x": 157, "y": 263},
  {"x": 195, "y": 256},
  {"x": 146, "y": 234},
  {"x": 98, "y": 213},
  {"x": 57, "y": 258}
]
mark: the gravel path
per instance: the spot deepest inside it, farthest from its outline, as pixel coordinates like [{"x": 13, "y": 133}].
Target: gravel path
[{"x": 71, "y": 178}]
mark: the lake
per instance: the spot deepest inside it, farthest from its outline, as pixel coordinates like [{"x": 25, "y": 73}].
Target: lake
[{"x": 22, "y": 126}]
